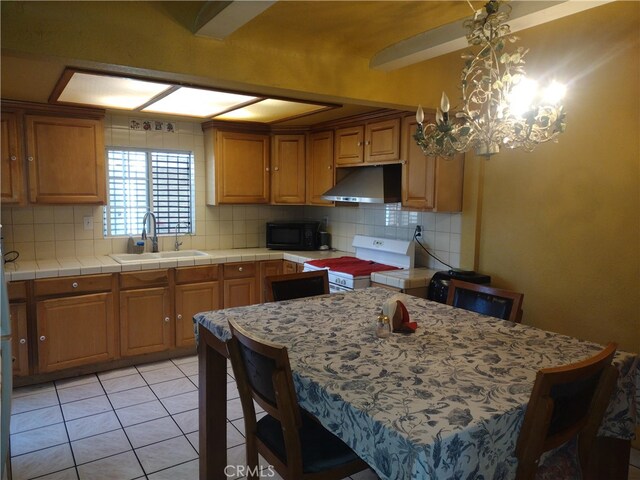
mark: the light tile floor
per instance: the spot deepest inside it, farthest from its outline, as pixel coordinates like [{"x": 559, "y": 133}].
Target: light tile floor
[{"x": 133, "y": 423}]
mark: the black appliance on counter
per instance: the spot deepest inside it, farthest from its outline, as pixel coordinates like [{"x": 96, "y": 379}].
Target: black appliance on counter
[
  {"x": 439, "y": 285},
  {"x": 293, "y": 235}
]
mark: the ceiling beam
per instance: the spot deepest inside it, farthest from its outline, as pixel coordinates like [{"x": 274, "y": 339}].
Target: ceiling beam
[
  {"x": 451, "y": 37},
  {"x": 219, "y": 19}
]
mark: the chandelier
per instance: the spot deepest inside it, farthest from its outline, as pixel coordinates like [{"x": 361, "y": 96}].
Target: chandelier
[{"x": 501, "y": 107}]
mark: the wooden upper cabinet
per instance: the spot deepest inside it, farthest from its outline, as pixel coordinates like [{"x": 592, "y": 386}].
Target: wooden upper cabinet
[
  {"x": 288, "y": 169},
  {"x": 65, "y": 158},
  {"x": 239, "y": 168},
  {"x": 429, "y": 183},
  {"x": 11, "y": 176},
  {"x": 373, "y": 142},
  {"x": 320, "y": 167},
  {"x": 382, "y": 141},
  {"x": 349, "y": 145}
]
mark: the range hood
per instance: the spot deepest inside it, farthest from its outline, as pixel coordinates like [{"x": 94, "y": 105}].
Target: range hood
[{"x": 379, "y": 184}]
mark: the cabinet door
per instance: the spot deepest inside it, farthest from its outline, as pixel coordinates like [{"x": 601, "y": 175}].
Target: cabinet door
[
  {"x": 349, "y": 145},
  {"x": 75, "y": 331},
  {"x": 320, "y": 168},
  {"x": 429, "y": 183},
  {"x": 12, "y": 189},
  {"x": 382, "y": 141},
  {"x": 145, "y": 321},
  {"x": 239, "y": 292},
  {"x": 18, "y": 312},
  {"x": 268, "y": 268},
  {"x": 242, "y": 162},
  {"x": 191, "y": 299},
  {"x": 288, "y": 169},
  {"x": 289, "y": 267},
  {"x": 66, "y": 160}
]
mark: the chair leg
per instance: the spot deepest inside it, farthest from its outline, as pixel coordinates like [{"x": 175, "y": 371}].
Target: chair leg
[{"x": 252, "y": 458}]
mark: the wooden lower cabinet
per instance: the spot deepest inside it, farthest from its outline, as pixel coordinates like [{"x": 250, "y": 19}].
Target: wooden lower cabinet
[
  {"x": 267, "y": 269},
  {"x": 191, "y": 299},
  {"x": 145, "y": 321},
  {"x": 19, "y": 344},
  {"x": 240, "y": 284},
  {"x": 74, "y": 331}
]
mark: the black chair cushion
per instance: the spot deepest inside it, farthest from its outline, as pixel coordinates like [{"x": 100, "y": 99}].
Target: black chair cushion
[{"x": 321, "y": 450}]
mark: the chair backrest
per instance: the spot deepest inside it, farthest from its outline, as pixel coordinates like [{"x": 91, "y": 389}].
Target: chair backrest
[
  {"x": 296, "y": 285},
  {"x": 494, "y": 302},
  {"x": 566, "y": 401},
  {"x": 263, "y": 374}
]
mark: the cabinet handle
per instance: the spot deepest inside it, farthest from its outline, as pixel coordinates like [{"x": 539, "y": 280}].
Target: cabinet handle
[
  {"x": 359, "y": 144},
  {"x": 167, "y": 319},
  {"x": 13, "y": 158},
  {"x": 368, "y": 142},
  {"x": 329, "y": 167},
  {"x": 179, "y": 317},
  {"x": 30, "y": 158},
  {"x": 23, "y": 341},
  {"x": 43, "y": 338},
  {"x": 275, "y": 169},
  {"x": 267, "y": 169},
  {"x": 74, "y": 285},
  {"x": 239, "y": 269}
]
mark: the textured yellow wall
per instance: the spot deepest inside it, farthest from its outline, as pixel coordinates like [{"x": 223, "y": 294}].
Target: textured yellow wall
[{"x": 561, "y": 224}]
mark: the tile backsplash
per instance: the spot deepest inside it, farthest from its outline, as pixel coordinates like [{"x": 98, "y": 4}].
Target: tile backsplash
[{"x": 43, "y": 232}]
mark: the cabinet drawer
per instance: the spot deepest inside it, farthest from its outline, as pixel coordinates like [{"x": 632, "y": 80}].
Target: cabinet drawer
[
  {"x": 204, "y": 273},
  {"x": 144, "y": 279},
  {"x": 72, "y": 285},
  {"x": 17, "y": 291},
  {"x": 239, "y": 270}
]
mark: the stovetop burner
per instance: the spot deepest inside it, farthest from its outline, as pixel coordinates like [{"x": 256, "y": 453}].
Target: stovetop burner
[{"x": 352, "y": 266}]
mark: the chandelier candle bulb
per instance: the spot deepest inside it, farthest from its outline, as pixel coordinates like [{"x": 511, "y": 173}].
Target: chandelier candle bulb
[
  {"x": 420, "y": 115},
  {"x": 444, "y": 103}
]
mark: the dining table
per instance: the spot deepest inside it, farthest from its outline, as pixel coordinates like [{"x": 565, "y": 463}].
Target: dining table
[{"x": 444, "y": 402}]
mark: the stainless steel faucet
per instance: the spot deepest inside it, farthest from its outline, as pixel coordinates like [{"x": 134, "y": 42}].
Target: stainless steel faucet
[
  {"x": 177, "y": 243},
  {"x": 154, "y": 238}
]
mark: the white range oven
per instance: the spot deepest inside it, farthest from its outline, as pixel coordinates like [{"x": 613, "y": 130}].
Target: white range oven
[{"x": 372, "y": 254}]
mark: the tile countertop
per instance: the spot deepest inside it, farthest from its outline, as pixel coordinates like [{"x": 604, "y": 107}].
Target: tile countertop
[{"x": 63, "y": 267}]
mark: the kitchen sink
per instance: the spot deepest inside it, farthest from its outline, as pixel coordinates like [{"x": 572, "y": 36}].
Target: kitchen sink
[{"x": 126, "y": 258}]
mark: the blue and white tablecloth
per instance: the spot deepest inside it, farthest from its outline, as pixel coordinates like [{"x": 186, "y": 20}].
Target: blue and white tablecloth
[{"x": 444, "y": 403}]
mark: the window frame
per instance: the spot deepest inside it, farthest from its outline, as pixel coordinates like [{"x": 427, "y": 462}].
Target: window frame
[{"x": 149, "y": 171}]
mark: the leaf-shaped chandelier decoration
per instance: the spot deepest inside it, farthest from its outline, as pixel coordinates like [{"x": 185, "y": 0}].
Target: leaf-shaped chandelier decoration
[{"x": 501, "y": 107}]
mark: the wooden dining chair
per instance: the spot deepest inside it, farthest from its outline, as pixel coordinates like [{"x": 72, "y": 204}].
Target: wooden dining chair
[
  {"x": 288, "y": 437},
  {"x": 296, "y": 285},
  {"x": 494, "y": 302},
  {"x": 567, "y": 404}
]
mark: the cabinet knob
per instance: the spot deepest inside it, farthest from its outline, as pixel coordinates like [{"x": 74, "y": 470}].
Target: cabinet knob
[
  {"x": 179, "y": 317},
  {"x": 23, "y": 341},
  {"x": 43, "y": 338},
  {"x": 240, "y": 269},
  {"x": 267, "y": 169},
  {"x": 275, "y": 169},
  {"x": 13, "y": 158},
  {"x": 74, "y": 285},
  {"x": 167, "y": 319},
  {"x": 30, "y": 158},
  {"x": 329, "y": 167},
  {"x": 368, "y": 142},
  {"x": 359, "y": 144}
]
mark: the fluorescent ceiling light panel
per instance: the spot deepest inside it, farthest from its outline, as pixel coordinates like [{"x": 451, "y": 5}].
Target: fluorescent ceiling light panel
[
  {"x": 195, "y": 102},
  {"x": 109, "y": 92},
  {"x": 270, "y": 110}
]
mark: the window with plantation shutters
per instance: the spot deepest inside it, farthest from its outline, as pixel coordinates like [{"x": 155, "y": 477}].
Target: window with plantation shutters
[{"x": 149, "y": 180}]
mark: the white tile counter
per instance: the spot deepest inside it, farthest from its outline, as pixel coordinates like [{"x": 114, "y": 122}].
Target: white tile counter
[
  {"x": 404, "y": 279},
  {"x": 63, "y": 267}
]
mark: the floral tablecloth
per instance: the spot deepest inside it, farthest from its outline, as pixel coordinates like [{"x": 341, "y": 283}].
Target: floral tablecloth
[{"x": 446, "y": 402}]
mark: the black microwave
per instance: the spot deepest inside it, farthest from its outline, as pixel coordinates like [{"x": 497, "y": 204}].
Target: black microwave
[{"x": 288, "y": 235}]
